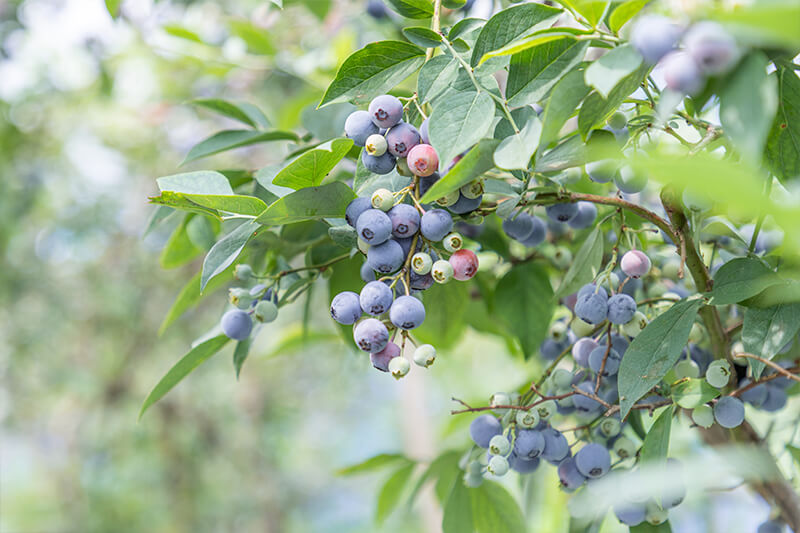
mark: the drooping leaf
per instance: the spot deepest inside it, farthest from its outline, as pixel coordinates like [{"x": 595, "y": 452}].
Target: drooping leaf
[
  {"x": 413, "y": 9},
  {"x": 201, "y": 182},
  {"x": 421, "y": 36},
  {"x": 476, "y": 162},
  {"x": 516, "y": 150},
  {"x": 606, "y": 72},
  {"x": 625, "y": 12},
  {"x": 783, "y": 142},
  {"x": 309, "y": 168},
  {"x": 311, "y": 203},
  {"x": 656, "y": 443},
  {"x": 179, "y": 248},
  {"x": 196, "y": 356},
  {"x": 240, "y": 354},
  {"x": 690, "y": 393},
  {"x": 526, "y": 304},
  {"x": 245, "y": 113},
  {"x": 373, "y": 70},
  {"x": 211, "y": 203},
  {"x": 373, "y": 463},
  {"x": 741, "y": 278},
  {"x": 654, "y": 352},
  {"x": 458, "y": 122},
  {"x": 508, "y": 25},
  {"x": 591, "y": 10},
  {"x": 596, "y": 108},
  {"x": 766, "y": 330},
  {"x": 565, "y": 98},
  {"x": 457, "y": 515},
  {"x": 533, "y": 72},
  {"x": 190, "y": 295},
  {"x": 230, "y": 139},
  {"x": 435, "y": 77},
  {"x": 390, "y": 494},
  {"x": 225, "y": 252},
  {"x": 586, "y": 265},
  {"x": 488, "y": 508}
]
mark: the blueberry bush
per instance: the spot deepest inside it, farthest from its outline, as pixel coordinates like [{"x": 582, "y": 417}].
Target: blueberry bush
[{"x": 609, "y": 186}]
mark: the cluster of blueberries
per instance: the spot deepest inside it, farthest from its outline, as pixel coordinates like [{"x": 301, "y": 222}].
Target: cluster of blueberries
[
  {"x": 708, "y": 50},
  {"x": 257, "y": 302}
]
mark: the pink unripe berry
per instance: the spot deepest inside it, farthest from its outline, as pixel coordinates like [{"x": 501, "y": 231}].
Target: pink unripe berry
[
  {"x": 380, "y": 360},
  {"x": 635, "y": 264},
  {"x": 423, "y": 160},
  {"x": 464, "y": 263}
]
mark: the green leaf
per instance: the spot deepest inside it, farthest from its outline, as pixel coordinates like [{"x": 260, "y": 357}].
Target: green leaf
[
  {"x": 526, "y": 304},
  {"x": 202, "y": 182},
  {"x": 390, "y": 494},
  {"x": 230, "y": 139},
  {"x": 240, "y": 354},
  {"x": 459, "y": 121},
  {"x": 654, "y": 352},
  {"x": 373, "y": 463},
  {"x": 537, "y": 38},
  {"x": 190, "y": 295},
  {"x": 457, "y": 512},
  {"x": 309, "y": 168},
  {"x": 225, "y": 252},
  {"x": 257, "y": 39},
  {"x": 246, "y": 113},
  {"x": 464, "y": 26},
  {"x": 565, "y": 98},
  {"x": 178, "y": 31},
  {"x": 765, "y": 331},
  {"x": 242, "y": 205},
  {"x": 435, "y": 77},
  {"x": 586, "y": 265},
  {"x": 591, "y": 10},
  {"x": 311, "y": 203},
  {"x": 494, "y": 510},
  {"x": 112, "y": 6},
  {"x": 690, "y": 393},
  {"x": 533, "y": 72},
  {"x": 573, "y": 152},
  {"x": 625, "y": 12},
  {"x": 597, "y": 108},
  {"x": 476, "y": 162},
  {"x": 515, "y": 151},
  {"x": 373, "y": 70},
  {"x": 443, "y": 469},
  {"x": 740, "y": 279},
  {"x": 644, "y": 527},
  {"x": 182, "y": 368},
  {"x": 783, "y": 143},
  {"x": 413, "y": 9},
  {"x": 424, "y": 37},
  {"x": 772, "y": 23},
  {"x": 747, "y": 105},
  {"x": 179, "y": 249},
  {"x": 508, "y": 25},
  {"x": 795, "y": 452},
  {"x": 606, "y": 72},
  {"x": 445, "y": 306},
  {"x": 656, "y": 443}
]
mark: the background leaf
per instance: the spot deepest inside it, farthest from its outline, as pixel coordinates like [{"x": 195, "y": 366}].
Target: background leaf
[
  {"x": 226, "y": 250},
  {"x": 782, "y": 150},
  {"x": 311, "y": 203},
  {"x": 510, "y": 24},
  {"x": 606, "y": 72},
  {"x": 533, "y": 72},
  {"x": 413, "y": 9},
  {"x": 458, "y": 122},
  {"x": 741, "y": 278},
  {"x": 230, "y": 139},
  {"x": 586, "y": 265},
  {"x": 525, "y": 304},
  {"x": 245, "y": 113},
  {"x": 766, "y": 331},
  {"x": 656, "y": 443},
  {"x": 201, "y": 182}
]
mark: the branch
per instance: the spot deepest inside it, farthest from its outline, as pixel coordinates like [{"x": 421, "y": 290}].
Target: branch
[{"x": 778, "y": 368}]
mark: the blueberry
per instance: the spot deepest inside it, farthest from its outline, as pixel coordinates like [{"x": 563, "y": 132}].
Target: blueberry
[
  {"x": 686, "y": 368},
  {"x": 612, "y": 361},
  {"x": 240, "y": 297},
  {"x": 593, "y": 460},
  {"x": 371, "y": 335},
  {"x": 435, "y": 224},
  {"x": 654, "y": 36},
  {"x": 405, "y": 244},
  {"x": 583, "y": 403},
  {"x": 402, "y": 138},
  {"x": 551, "y": 348},
  {"x": 385, "y": 111},
  {"x": 399, "y": 367},
  {"x": 382, "y": 358},
  {"x": 601, "y": 171},
  {"x": 635, "y": 264},
  {"x": 472, "y": 189},
  {"x": 630, "y": 514},
  {"x": 376, "y": 298},
  {"x": 423, "y": 160},
  {"x": 624, "y": 447},
  {"x": 265, "y": 311},
  {"x": 423, "y": 132},
  {"x": 522, "y": 465},
  {"x": 377, "y": 9},
  {"x": 499, "y": 445},
  {"x": 421, "y": 263},
  {"x": 529, "y": 443},
  {"x": 592, "y": 304},
  {"x": 581, "y": 351},
  {"x": 629, "y": 181},
  {"x": 374, "y": 226},
  {"x": 568, "y": 474},
  {"x": 381, "y": 164},
  {"x": 405, "y": 220},
  {"x": 453, "y": 242},
  {"x": 355, "y": 209},
  {"x": 537, "y": 235},
  {"x": 682, "y": 74},
  {"x": 427, "y": 183},
  {"x": 407, "y": 312},
  {"x": 382, "y": 199},
  {"x": 483, "y": 428},
  {"x": 527, "y": 418},
  {"x": 376, "y": 145},
  {"x": 771, "y": 526},
  {"x": 420, "y": 282},
  {"x": 703, "y": 416},
  {"x": 775, "y": 400},
  {"x": 367, "y": 274},
  {"x": 345, "y": 307},
  {"x": 587, "y": 213},
  {"x": 465, "y": 264},
  {"x": 519, "y": 227},
  {"x": 442, "y": 271},
  {"x": 621, "y": 309},
  {"x": 755, "y": 396},
  {"x": 498, "y": 465},
  {"x": 425, "y": 355},
  {"x": 465, "y": 205},
  {"x": 556, "y": 447},
  {"x": 359, "y": 127},
  {"x": 563, "y": 212},
  {"x": 718, "y": 373},
  {"x": 237, "y": 324},
  {"x": 711, "y": 47},
  {"x": 243, "y": 272},
  {"x": 729, "y": 412}
]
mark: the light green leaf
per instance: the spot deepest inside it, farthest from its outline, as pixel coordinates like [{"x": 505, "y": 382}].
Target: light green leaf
[
  {"x": 375, "y": 462},
  {"x": 690, "y": 393},
  {"x": 246, "y": 113},
  {"x": 515, "y": 151},
  {"x": 510, "y": 24},
  {"x": 654, "y": 352},
  {"x": 591, "y": 10},
  {"x": 202, "y": 182},
  {"x": 225, "y": 252},
  {"x": 464, "y": 26},
  {"x": 242, "y": 205},
  {"x": 606, "y": 72},
  {"x": 533, "y": 72},
  {"x": 230, "y": 139},
  {"x": 424, "y": 37},
  {"x": 586, "y": 265},
  {"x": 766, "y": 330},
  {"x": 373, "y": 70},
  {"x": 494, "y": 510},
  {"x": 458, "y": 122},
  {"x": 257, "y": 39},
  {"x": 747, "y": 105},
  {"x": 772, "y": 23},
  {"x": 178, "y": 31},
  {"x": 573, "y": 152},
  {"x": 597, "y": 108},
  {"x": 476, "y": 162},
  {"x": 783, "y": 143},
  {"x": 191, "y": 294},
  {"x": 741, "y": 278},
  {"x": 526, "y": 304},
  {"x": 196, "y": 356},
  {"x": 565, "y": 98},
  {"x": 390, "y": 494},
  {"x": 413, "y": 9},
  {"x": 625, "y": 12},
  {"x": 656, "y": 443},
  {"x": 311, "y": 203},
  {"x": 309, "y": 168},
  {"x": 435, "y": 77},
  {"x": 112, "y": 6},
  {"x": 240, "y": 355},
  {"x": 179, "y": 248},
  {"x": 457, "y": 515},
  {"x": 537, "y": 38}
]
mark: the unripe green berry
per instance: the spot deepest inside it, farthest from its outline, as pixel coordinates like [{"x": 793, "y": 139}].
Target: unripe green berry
[
  {"x": 703, "y": 416},
  {"x": 474, "y": 468},
  {"x": 266, "y": 311},
  {"x": 624, "y": 448},
  {"x": 636, "y": 324},
  {"x": 382, "y": 199},
  {"x": 610, "y": 427},
  {"x": 363, "y": 245},
  {"x": 473, "y": 189},
  {"x": 546, "y": 409},
  {"x": 421, "y": 263},
  {"x": 562, "y": 378},
  {"x": 472, "y": 481},
  {"x": 654, "y": 514},
  {"x": 558, "y": 330},
  {"x": 612, "y": 281},
  {"x": 402, "y": 167},
  {"x": 527, "y": 419},
  {"x": 499, "y": 445},
  {"x": 499, "y": 398},
  {"x": 514, "y": 398},
  {"x": 240, "y": 297},
  {"x": 718, "y": 373},
  {"x": 453, "y": 242},
  {"x": 498, "y": 465},
  {"x": 424, "y": 355},
  {"x": 696, "y": 333},
  {"x": 562, "y": 258},
  {"x": 617, "y": 121},
  {"x": 670, "y": 269},
  {"x": 442, "y": 271},
  {"x": 243, "y": 272},
  {"x": 487, "y": 260},
  {"x": 376, "y": 145},
  {"x": 474, "y": 219},
  {"x": 399, "y": 367},
  {"x": 570, "y": 176},
  {"x": 687, "y": 369},
  {"x": 580, "y": 328},
  {"x": 448, "y": 199}
]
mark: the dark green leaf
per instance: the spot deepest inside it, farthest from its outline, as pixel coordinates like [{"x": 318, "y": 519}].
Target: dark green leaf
[
  {"x": 202, "y": 182},
  {"x": 311, "y": 203},
  {"x": 508, "y": 25},
  {"x": 246, "y": 113},
  {"x": 656, "y": 443},
  {"x": 690, "y": 393},
  {"x": 225, "y": 252},
  {"x": 373, "y": 70},
  {"x": 435, "y": 77},
  {"x": 459, "y": 121},
  {"x": 373, "y": 463},
  {"x": 565, "y": 98},
  {"x": 230, "y": 139},
  {"x": 606, "y": 72},
  {"x": 516, "y": 150},
  {"x": 533, "y": 72},
  {"x": 596, "y": 109},
  {"x": 211, "y": 203},
  {"x": 424, "y": 37},
  {"x": 413, "y": 9},
  {"x": 240, "y": 354},
  {"x": 309, "y": 168},
  {"x": 739, "y": 279},
  {"x": 644, "y": 527},
  {"x": 526, "y": 304},
  {"x": 390, "y": 494},
  {"x": 179, "y": 249},
  {"x": 625, "y": 12},
  {"x": 765, "y": 331},
  {"x": 182, "y": 368},
  {"x": 783, "y": 143},
  {"x": 445, "y": 307},
  {"x": 654, "y": 352},
  {"x": 476, "y": 162},
  {"x": 586, "y": 265}
]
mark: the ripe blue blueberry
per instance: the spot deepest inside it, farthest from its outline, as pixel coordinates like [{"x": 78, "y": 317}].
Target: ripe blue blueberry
[
  {"x": 385, "y": 110},
  {"x": 382, "y": 358},
  {"x": 420, "y": 282},
  {"x": 771, "y": 526},
  {"x": 367, "y": 274},
  {"x": 621, "y": 309},
  {"x": 630, "y": 514},
  {"x": 612, "y": 361},
  {"x": 355, "y": 209},
  {"x": 711, "y": 47},
  {"x": 359, "y": 127},
  {"x": 537, "y": 235},
  {"x": 581, "y": 351},
  {"x": 592, "y": 304},
  {"x": 551, "y": 348},
  {"x": 237, "y": 324},
  {"x": 435, "y": 224},
  {"x": 423, "y": 132},
  {"x": 371, "y": 335},
  {"x": 583, "y": 403},
  {"x": 654, "y": 36},
  {"x": 465, "y": 205},
  {"x": 380, "y": 164},
  {"x": 568, "y": 474},
  {"x": 593, "y": 460},
  {"x": 529, "y": 443},
  {"x": 377, "y": 9},
  {"x": 374, "y": 226},
  {"x": 729, "y": 412},
  {"x": 346, "y": 308},
  {"x": 775, "y": 400},
  {"x": 563, "y": 212},
  {"x": 518, "y": 227},
  {"x": 483, "y": 428},
  {"x": 755, "y": 396},
  {"x": 407, "y": 312},
  {"x": 427, "y": 182},
  {"x": 386, "y": 257},
  {"x": 556, "y": 447},
  {"x": 682, "y": 74},
  {"x": 522, "y": 465},
  {"x": 402, "y": 138},
  {"x": 405, "y": 220},
  {"x": 376, "y": 298},
  {"x": 587, "y": 213}
]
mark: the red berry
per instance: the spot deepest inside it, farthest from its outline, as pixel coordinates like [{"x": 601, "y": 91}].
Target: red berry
[
  {"x": 423, "y": 160},
  {"x": 464, "y": 263}
]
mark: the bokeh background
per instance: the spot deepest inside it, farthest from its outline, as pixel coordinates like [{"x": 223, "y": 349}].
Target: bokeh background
[{"x": 92, "y": 109}]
